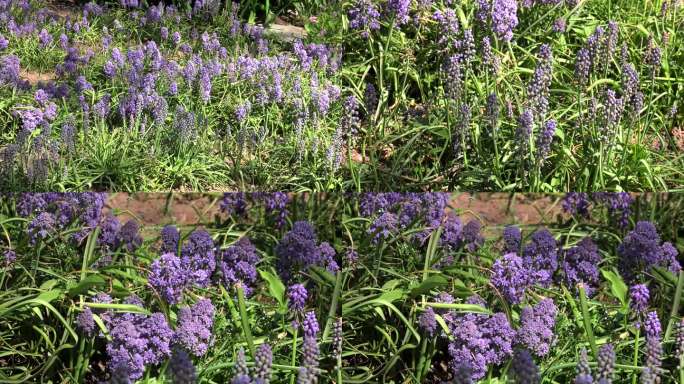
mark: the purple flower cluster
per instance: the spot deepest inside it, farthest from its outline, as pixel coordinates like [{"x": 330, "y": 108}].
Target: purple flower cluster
[
  {"x": 580, "y": 266},
  {"x": 275, "y": 204},
  {"x": 536, "y": 327},
  {"x": 576, "y": 203},
  {"x": 181, "y": 368},
  {"x": 170, "y": 238},
  {"x": 618, "y": 205},
  {"x": 364, "y": 16},
  {"x": 136, "y": 340},
  {"x": 523, "y": 368},
  {"x": 198, "y": 256},
  {"x": 194, "y": 327},
  {"x": 641, "y": 250},
  {"x": 8, "y": 258},
  {"x": 299, "y": 249},
  {"x": 540, "y": 256},
  {"x": 168, "y": 277},
  {"x": 512, "y": 238},
  {"x": 85, "y": 322},
  {"x": 504, "y": 18},
  {"x": 478, "y": 340},
  {"x": 237, "y": 264},
  {"x": 510, "y": 277},
  {"x": 52, "y": 212},
  {"x": 512, "y": 274},
  {"x": 234, "y": 203},
  {"x": 427, "y": 321}
]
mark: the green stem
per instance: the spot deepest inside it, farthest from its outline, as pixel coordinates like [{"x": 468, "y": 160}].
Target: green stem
[
  {"x": 245, "y": 320},
  {"x": 635, "y": 375},
  {"x": 333, "y": 306},
  {"x": 587, "y": 321},
  {"x": 675, "y": 306},
  {"x": 294, "y": 354}
]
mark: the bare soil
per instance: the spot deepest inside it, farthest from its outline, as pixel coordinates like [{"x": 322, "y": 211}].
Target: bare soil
[{"x": 493, "y": 210}]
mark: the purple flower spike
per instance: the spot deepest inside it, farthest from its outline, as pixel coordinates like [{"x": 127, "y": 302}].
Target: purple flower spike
[{"x": 297, "y": 296}]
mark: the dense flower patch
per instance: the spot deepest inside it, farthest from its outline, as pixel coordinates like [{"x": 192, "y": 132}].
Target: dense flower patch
[
  {"x": 320, "y": 288},
  {"x": 408, "y": 95}
]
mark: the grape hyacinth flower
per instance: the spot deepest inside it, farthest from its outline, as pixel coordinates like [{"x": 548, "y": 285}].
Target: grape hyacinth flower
[
  {"x": 242, "y": 373},
  {"x": 427, "y": 321},
  {"x": 234, "y": 203},
  {"x": 137, "y": 341},
  {"x": 168, "y": 277},
  {"x": 479, "y": 340},
  {"x": 364, "y": 16},
  {"x": 510, "y": 277},
  {"x": 181, "y": 368},
  {"x": 618, "y": 204},
  {"x": 580, "y": 266},
  {"x": 641, "y": 250},
  {"x": 129, "y": 236},
  {"x": 544, "y": 140},
  {"x": 198, "y": 257},
  {"x": 399, "y": 10},
  {"x": 263, "y": 360},
  {"x": 536, "y": 327},
  {"x": 576, "y": 203},
  {"x": 524, "y": 370},
  {"x": 539, "y": 87},
  {"x": 606, "y": 364},
  {"x": 337, "y": 339},
  {"x": 85, "y": 322},
  {"x": 296, "y": 295},
  {"x": 308, "y": 371},
  {"x": 523, "y": 131},
  {"x": 4, "y": 43},
  {"x": 298, "y": 250},
  {"x": 639, "y": 296},
  {"x": 194, "y": 327},
  {"x": 654, "y": 349},
  {"x": 237, "y": 264},
  {"x": 679, "y": 343},
  {"x": 583, "y": 369},
  {"x": 541, "y": 257},
  {"x": 512, "y": 238},
  {"x": 9, "y": 257},
  {"x": 170, "y": 237},
  {"x": 504, "y": 18},
  {"x": 41, "y": 227}
]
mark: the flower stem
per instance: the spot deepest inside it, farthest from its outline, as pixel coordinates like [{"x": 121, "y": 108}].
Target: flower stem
[
  {"x": 675, "y": 306},
  {"x": 245, "y": 320},
  {"x": 587, "y": 321}
]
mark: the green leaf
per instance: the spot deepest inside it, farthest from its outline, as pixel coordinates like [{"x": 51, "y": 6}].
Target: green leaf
[
  {"x": 49, "y": 295},
  {"x": 84, "y": 285},
  {"x": 617, "y": 285},
  {"x": 275, "y": 286},
  {"x": 391, "y": 296},
  {"x": 429, "y": 284},
  {"x": 474, "y": 308}
]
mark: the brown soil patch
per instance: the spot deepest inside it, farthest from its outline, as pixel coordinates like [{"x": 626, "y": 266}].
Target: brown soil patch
[
  {"x": 36, "y": 77},
  {"x": 493, "y": 210},
  {"x": 64, "y": 9},
  {"x": 678, "y": 134}
]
